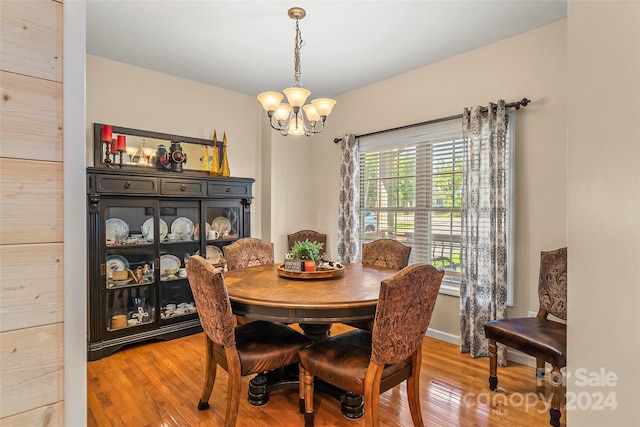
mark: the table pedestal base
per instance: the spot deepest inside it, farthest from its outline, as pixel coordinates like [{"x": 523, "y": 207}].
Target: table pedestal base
[
  {"x": 262, "y": 384},
  {"x": 351, "y": 405},
  {"x": 316, "y": 332}
]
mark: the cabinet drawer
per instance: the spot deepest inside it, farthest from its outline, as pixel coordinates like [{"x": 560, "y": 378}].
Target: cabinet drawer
[
  {"x": 182, "y": 187},
  {"x": 217, "y": 189},
  {"x": 125, "y": 185}
]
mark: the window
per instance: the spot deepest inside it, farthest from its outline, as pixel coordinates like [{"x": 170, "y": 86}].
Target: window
[{"x": 411, "y": 191}]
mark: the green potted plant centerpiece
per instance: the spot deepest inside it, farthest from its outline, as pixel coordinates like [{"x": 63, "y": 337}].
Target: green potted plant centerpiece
[{"x": 303, "y": 256}]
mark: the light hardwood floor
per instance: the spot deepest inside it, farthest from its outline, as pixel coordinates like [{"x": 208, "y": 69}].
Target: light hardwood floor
[{"x": 159, "y": 384}]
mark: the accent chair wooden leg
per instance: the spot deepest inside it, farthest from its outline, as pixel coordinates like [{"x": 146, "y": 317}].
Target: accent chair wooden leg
[
  {"x": 301, "y": 372},
  {"x": 413, "y": 389},
  {"x": 211, "y": 367},
  {"x": 493, "y": 364},
  {"x": 372, "y": 395},
  {"x": 308, "y": 399},
  {"x": 540, "y": 367},
  {"x": 233, "y": 386},
  {"x": 556, "y": 401}
]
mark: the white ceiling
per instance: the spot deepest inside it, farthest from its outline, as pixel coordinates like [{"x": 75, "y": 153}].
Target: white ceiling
[{"x": 247, "y": 46}]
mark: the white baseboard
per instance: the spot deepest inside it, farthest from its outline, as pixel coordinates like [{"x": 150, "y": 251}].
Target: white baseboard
[
  {"x": 519, "y": 357},
  {"x": 512, "y": 355},
  {"x": 443, "y": 336}
]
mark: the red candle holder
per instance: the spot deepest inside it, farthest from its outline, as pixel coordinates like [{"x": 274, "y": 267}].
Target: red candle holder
[
  {"x": 107, "y": 132},
  {"x": 107, "y": 154},
  {"x": 121, "y": 147}
]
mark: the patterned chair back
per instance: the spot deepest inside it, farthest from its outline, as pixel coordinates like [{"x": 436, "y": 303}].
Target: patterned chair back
[
  {"x": 248, "y": 252},
  {"x": 403, "y": 313},
  {"x": 552, "y": 284},
  {"x": 311, "y": 235},
  {"x": 386, "y": 253},
  {"x": 211, "y": 298}
]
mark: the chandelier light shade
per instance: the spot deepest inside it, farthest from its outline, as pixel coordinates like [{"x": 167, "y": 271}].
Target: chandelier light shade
[{"x": 294, "y": 117}]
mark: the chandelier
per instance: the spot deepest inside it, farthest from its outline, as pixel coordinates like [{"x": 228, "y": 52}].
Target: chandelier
[{"x": 294, "y": 117}]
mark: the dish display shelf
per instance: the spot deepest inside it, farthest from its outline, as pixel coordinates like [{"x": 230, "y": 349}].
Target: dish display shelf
[{"x": 143, "y": 227}]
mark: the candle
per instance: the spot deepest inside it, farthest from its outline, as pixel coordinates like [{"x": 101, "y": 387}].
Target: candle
[
  {"x": 114, "y": 146},
  {"x": 122, "y": 143},
  {"x": 106, "y": 133}
]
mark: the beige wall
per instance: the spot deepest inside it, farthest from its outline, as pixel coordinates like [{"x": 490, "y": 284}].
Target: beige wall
[
  {"x": 531, "y": 65},
  {"x": 129, "y": 96},
  {"x": 604, "y": 209}
]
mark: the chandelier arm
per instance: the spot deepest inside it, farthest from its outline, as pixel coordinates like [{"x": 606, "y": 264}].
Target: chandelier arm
[
  {"x": 315, "y": 129},
  {"x": 279, "y": 126}
]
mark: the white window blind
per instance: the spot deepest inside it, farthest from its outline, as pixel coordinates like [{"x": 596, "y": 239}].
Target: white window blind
[{"x": 411, "y": 191}]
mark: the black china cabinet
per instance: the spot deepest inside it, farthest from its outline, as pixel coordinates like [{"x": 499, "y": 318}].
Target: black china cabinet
[{"x": 143, "y": 225}]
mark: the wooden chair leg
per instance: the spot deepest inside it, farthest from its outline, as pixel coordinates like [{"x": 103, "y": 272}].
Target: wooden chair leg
[
  {"x": 301, "y": 372},
  {"x": 413, "y": 389},
  {"x": 540, "y": 364},
  {"x": 556, "y": 401},
  {"x": 211, "y": 367},
  {"x": 493, "y": 364},
  {"x": 372, "y": 395},
  {"x": 308, "y": 399},
  {"x": 233, "y": 386}
]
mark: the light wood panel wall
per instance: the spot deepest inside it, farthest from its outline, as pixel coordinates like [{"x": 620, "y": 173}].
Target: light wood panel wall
[
  {"x": 31, "y": 118},
  {"x": 31, "y": 212}
]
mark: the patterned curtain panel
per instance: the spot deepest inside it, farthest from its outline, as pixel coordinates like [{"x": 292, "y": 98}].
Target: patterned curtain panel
[
  {"x": 349, "y": 204},
  {"x": 483, "y": 286}
]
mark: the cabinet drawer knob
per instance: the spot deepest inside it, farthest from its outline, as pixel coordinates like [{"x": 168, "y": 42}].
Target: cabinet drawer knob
[
  {"x": 127, "y": 184},
  {"x": 183, "y": 187},
  {"x": 228, "y": 190}
]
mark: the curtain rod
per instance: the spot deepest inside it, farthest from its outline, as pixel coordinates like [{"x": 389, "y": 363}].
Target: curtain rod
[{"x": 517, "y": 104}]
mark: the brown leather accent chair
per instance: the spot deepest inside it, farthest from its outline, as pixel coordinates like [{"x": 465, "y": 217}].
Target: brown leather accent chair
[
  {"x": 386, "y": 253},
  {"x": 311, "y": 235},
  {"x": 252, "y": 348},
  {"x": 369, "y": 363},
  {"x": 542, "y": 338},
  {"x": 248, "y": 252}
]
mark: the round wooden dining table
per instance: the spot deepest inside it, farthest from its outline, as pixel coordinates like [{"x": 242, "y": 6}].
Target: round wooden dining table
[{"x": 261, "y": 292}]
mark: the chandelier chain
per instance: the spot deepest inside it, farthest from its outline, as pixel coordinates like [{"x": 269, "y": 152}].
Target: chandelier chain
[{"x": 299, "y": 43}]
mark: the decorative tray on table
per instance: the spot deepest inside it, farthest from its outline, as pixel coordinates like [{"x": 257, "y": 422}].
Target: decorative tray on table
[{"x": 310, "y": 275}]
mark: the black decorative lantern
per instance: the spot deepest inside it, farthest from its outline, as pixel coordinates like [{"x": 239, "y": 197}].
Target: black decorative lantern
[{"x": 176, "y": 157}]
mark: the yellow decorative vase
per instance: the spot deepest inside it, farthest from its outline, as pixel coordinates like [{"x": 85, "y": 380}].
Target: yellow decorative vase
[
  {"x": 215, "y": 159},
  {"x": 204, "y": 164},
  {"x": 225, "y": 161}
]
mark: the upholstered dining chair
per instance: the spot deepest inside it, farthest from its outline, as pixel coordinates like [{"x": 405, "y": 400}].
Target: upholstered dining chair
[
  {"x": 311, "y": 235},
  {"x": 540, "y": 337},
  {"x": 248, "y": 252},
  {"x": 386, "y": 253},
  {"x": 252, "y": 348},
  {"x": 369, "y": 363}
]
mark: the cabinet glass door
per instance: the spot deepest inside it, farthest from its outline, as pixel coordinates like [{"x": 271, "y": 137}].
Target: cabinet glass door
[
  {"x": 181, "y": 241},
  {"x": 129, "y": 307},
  {"x": 128, "y": 271},
  {"x": 224, "y": 223}
]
